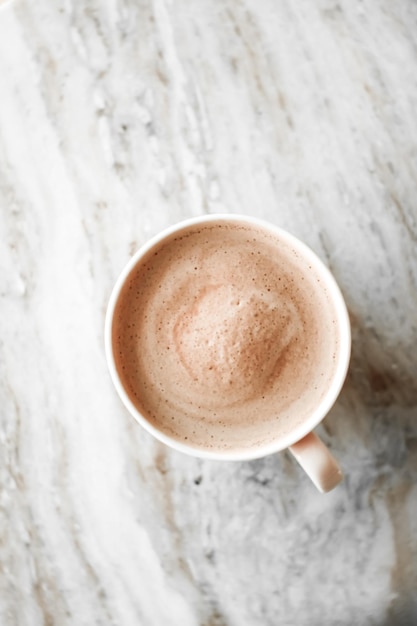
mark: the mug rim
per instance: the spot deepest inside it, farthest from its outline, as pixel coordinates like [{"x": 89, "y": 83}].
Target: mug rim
[{"x": 323, "y": 407}]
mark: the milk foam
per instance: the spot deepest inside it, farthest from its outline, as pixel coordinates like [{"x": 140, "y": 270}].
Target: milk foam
[{"x": 222, "y": 337}]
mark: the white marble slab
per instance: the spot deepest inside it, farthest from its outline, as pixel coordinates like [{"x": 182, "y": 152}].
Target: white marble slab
[{"x": 118, "y": 118}]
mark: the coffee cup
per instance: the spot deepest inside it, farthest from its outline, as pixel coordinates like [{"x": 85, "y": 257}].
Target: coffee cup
[{"x": 227, "y": 338}]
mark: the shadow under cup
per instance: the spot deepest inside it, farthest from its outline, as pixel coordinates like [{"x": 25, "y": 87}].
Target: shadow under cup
[{"x": 227, "y": 338}]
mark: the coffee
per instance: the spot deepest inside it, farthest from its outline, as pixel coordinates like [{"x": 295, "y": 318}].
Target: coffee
[{"x": 224, "y": 336}]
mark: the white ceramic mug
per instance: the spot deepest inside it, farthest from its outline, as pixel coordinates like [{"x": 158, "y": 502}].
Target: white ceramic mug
[{"x": 304, "y": 444}]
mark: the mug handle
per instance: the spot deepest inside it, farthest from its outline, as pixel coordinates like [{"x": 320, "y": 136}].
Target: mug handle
[{"x": 317, "y": 461}]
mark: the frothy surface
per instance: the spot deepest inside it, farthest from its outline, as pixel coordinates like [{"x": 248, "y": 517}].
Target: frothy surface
[{"x": 222, "y": 337}]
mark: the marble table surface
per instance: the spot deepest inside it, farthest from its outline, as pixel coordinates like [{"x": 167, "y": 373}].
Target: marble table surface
[{"x": 117, "y": 119}]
